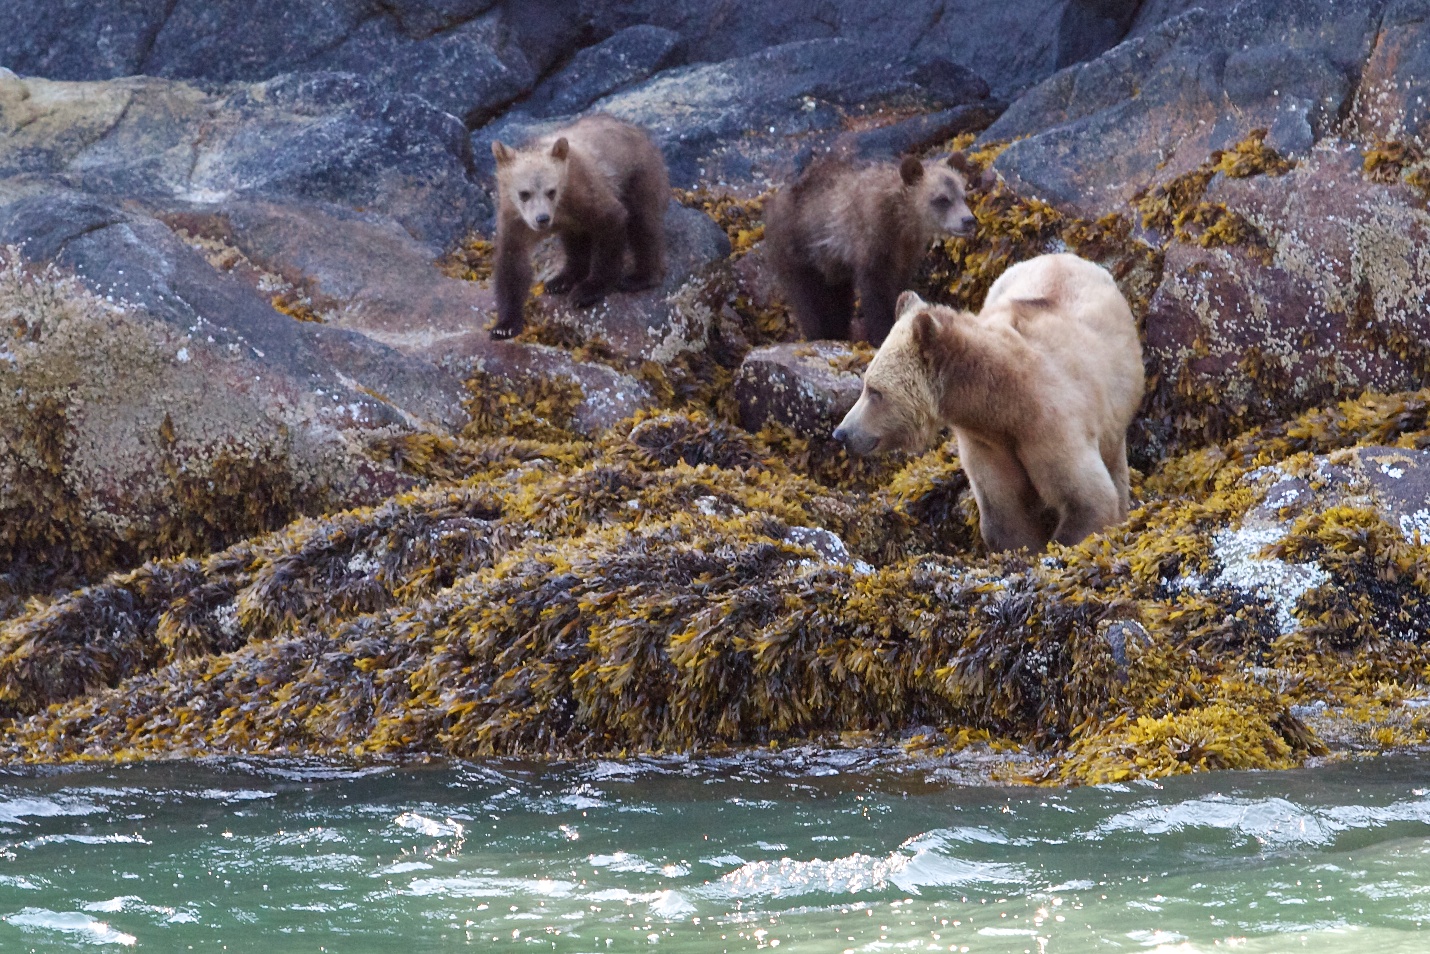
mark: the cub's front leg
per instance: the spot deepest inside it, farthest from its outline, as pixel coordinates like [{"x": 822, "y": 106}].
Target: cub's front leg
[
  {"x": 608, "y": 252},
  {"x": 512, "y": 273},
  {"x": 577, "y": 266}
]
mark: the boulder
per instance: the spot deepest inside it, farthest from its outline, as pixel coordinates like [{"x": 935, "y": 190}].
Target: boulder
[
  {"x": 1092, "y": 136},
  {"x": 608, "y": 395},
  {"x": 663, "y": 323},
  {"x": 153, "y": 405},
  {"x": 355, "y": 270},
  {"x": 757, "y": 119},
  {"x": 1328, "y": 302},
  {"x": 1012, "y": 44},
  {"x": 467, "y": 57},
  {"x": 326, "y": 136},
  {"x": 806, "y": 386},
  {"x": 626, "y": 58}
]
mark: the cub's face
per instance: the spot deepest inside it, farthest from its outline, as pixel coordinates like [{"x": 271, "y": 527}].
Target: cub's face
[
  {"x": 939, "y": 192},
  {"x": 898, "y": 407},
  {"x": 532, "y": 181},
  {"x": 942, "y": 195}
]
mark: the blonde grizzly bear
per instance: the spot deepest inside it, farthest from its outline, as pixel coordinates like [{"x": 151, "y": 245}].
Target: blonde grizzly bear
[
  {"x": 599, "y": 184},
  {"x": 1039, "y": 388},
  {"x": 842, "y": 230}
]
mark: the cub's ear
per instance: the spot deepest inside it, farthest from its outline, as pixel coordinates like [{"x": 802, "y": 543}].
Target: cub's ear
[
  {"x": 985, "y": 181},
  {"x": 560, "y": 149},
  {"x": 925, "y": 333},
  {"x": 908, "y": 301},
  {"x": 960, "y": 162},
  {"x": 502, "y": 152},
  {"x": 911, "y": 170}
]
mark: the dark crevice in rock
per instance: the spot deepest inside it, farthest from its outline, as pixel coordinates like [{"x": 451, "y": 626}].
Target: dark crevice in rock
[{"x": 146, "y": 45}]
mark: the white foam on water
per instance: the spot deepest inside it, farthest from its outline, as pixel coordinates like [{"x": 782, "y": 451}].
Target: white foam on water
[{"x": 76, "y": 925}]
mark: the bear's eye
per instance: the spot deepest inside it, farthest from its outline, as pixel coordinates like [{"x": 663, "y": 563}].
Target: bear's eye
[
  {"x": 551, "y": 193},
  {"x": 875, "y": 394},
  {"x": 942, "y": 202},
  {"x": 523, "y": 195}
]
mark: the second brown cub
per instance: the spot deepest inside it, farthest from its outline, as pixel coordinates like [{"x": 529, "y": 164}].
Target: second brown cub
[
  {"x": 601, "y": 186},
  {"x": 842, "y": 230}
]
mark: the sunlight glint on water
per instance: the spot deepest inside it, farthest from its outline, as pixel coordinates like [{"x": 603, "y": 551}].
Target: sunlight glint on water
[{"x": 833, "y": 852}]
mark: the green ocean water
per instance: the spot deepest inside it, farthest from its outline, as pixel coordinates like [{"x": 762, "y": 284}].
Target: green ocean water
[{"x": 805, "y": 851}]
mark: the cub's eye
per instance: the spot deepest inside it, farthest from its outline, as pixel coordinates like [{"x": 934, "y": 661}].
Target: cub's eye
[
  {"x": 551, "y": 193},
  {"x": 942, "y": 202},
  {"x": 874, "y": 394},
  {"x": 523, "y": 196}
]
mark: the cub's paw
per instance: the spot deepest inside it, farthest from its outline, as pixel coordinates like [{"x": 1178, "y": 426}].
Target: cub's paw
[
  {"x": 636, "y": 283},
  {"x": 587, "y": 293},
  {"x": 503, "y": 330},
  {"x": 561, "y": 282}
]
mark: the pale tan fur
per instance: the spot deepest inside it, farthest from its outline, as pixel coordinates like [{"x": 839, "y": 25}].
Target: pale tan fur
[{"x": 1039, "y": 388}]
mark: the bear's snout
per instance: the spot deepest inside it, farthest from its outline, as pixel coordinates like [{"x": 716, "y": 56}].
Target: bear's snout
[{"x": 855, "y": 442}]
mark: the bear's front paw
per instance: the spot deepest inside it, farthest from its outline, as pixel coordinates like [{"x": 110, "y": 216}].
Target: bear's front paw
[
  {"x": 561, "y": 282},
  {"x": 638, "y": 283},
  {"x": 503, "y": 330},
  {"x": 587, "y": 293}
]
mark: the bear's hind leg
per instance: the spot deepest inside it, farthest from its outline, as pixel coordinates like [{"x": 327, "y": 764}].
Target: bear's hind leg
[
  {"x": 823, "y": 310},
  {"x": 1117, "y": 468},
  {"x": 1010, "y": 513},
  {"x": 577, "y": 266},
  {"x": 645, "y": 233},
  {"x": 1075, "y": 482}
]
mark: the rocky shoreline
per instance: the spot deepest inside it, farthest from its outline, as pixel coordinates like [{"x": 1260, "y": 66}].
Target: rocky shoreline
[{"x": 268, "y": 487}]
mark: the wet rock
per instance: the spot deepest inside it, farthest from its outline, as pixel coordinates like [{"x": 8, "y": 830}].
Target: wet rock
[
  {"x": 1393, "y": 100},
  {"x": 804, "y": 386},
  {"x": 1157, "y": 105},
  {"x": 79, "y": 39},
  {"x": 154, "y": 406},
  {"x": 608, "y": 396},
  {"x": 632, "y": 55},
  {"x": 358, "y": 271},
  {"x": 467, "y": 57},
  {"x": 1394, "y": 481},
  {"x": 1122, "y": 635},
  {"x": 1011, "y": 44},
  {"x": 326, "y": 136},
  {"x": 758, "y": 118},
  {"x": 660, "y": 324},
  {"x": 135, "y": 260}
]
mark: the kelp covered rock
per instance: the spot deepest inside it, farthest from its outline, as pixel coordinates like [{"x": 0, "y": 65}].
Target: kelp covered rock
[{"x": 677, "y": 585}]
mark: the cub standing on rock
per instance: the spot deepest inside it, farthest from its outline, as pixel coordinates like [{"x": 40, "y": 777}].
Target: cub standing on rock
[
  {"x": 1039, "y": 388},
  {"x": 601, "y": 185},
  {"x": 842, "y": 229}
]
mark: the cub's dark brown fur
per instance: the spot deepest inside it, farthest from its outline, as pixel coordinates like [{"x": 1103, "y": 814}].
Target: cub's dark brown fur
[
  {"x": 842, "y": 230},
  {"x": 599, "y": 184}
]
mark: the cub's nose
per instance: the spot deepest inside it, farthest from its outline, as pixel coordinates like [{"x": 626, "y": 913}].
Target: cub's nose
[
  {"x": 543, "y": 220},
  {"x": 969, "y": 225},
  {"x": 840, "y": 434}
]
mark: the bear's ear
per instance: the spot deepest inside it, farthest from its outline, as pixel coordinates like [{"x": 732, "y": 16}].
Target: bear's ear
[
  {"x": 911, "y": 170},
  {"x": 502, "y": 152},
  {"x": 560, "y": 149},
  {"x": 907, "y": 302},
  {"x": 985, "y": 181},
  {"x": 925, "y": 332},
  {"x": 960, "y": 162}
]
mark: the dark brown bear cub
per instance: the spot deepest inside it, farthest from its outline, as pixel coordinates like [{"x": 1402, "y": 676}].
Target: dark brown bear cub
[
  {"x": 600, "y": 185},
  {"x": 842, "y": 230}
]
